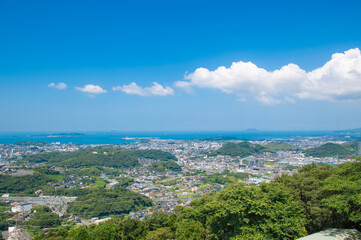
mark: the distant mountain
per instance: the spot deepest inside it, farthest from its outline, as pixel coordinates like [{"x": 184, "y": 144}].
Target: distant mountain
[
  {"x": 354, "y": 130},
  {"x": 251, "y": 130},
  {"x": 331, "y": 150}
]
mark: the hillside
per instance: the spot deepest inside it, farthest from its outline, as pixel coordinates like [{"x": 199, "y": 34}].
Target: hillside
[
  {"x": 277, "y": 146},
  {"x": 105, "y": 157},
  {"x": 292, "y": 206},
  {"x": 244, "y": 149},
  {"x": 100, "y": 202},
  {"x": 154, "y": 154},
  {"x": 349, "y": 131},
  {"x": 331, "y": 150}
]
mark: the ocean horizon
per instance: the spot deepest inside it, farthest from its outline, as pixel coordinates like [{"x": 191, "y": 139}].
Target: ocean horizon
[{"x": 115, "y": 137}]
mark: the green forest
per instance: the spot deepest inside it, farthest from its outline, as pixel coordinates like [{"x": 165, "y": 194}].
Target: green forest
[
  {"x": 154, "y": 154},
  {"x": 245, "y": 149},
  {"x": 24, "y": 185},
  {"x": 102, "y": 157},
  {"x": 333, "y": 150},
  {"x": 162, "y": 166},
  {"x": 313, "y": 199},
  {"x": 224, "y": 178},
  {"x": 100, "y": 202}
]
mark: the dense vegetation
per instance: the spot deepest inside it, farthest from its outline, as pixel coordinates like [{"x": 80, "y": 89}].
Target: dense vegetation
[
  {"x": 277, "y": 146},
  {"x": 104, "y": 202},
  {"x": 87, "y": 158},
  {"x": 331, "y": 150},
  {"x": 24, "y": 185},
  {"x": 224, "y": 178},
  {"x": 245, "y": 149},
  {"x": 162, "y": 166},
  {"x": 5, "y": 214},
  {"x": 102, "y": 157},
  {"x": 330, "y": 196},
  {"x": 42, "y": 216},
  {"x": 154, "y": 154},
  {"x": 242, "y": 149},
  {"x": 352, "y": 146},
  {"x": 313, "y": 199}
]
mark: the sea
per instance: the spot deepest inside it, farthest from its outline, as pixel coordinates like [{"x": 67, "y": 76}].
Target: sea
[{"x": 128, "y": 137}]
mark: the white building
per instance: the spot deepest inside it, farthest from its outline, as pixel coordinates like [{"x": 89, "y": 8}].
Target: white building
[{"x": 22, "y": 207}]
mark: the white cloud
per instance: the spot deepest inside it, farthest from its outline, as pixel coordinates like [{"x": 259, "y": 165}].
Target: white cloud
[
  {"x": 338, "y": 79},
  {"x": 92, "y": 89},
  {"x": 155, "y": 90},
  {"x": 186, "y": 86},
  {"x": 60, "y": 86}
]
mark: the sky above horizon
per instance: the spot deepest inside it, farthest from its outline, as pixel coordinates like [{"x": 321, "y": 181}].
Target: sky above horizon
[{"x": 179, "y": 65}]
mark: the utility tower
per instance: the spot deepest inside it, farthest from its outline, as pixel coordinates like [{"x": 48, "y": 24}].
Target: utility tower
[{"x": 359, "y": 148}]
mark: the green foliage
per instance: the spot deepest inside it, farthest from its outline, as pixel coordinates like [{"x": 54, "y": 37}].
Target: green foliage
[
  {"x": 155, "y": 155},
  {"x": 224, "y": 178},
  {"x": 245, "y": 149},
  {"x": 43, "y": 217},
  {"x": 102, "y": 231},
  {"x": 190, "y": 229},
  {"x": 100, "y": 157},
  {"x": 156, "y": 220},
  {"x": 4, "y": 215},
  {"x": 277, "y": 146},
  {"x": 312, "y": 199},
  {"x": 125, "y": 181},
  {"x": 160, "y": 234},
  {"x": 112, "y": 171},
  {"x": 238, "y": 210},
  {"x": 47, "y": 171},
  {"x": 24, "y": 185},
  {"x": 92, "y": 171},
  {"x": 40, "y": 209},
  {"x": 107, "y": 157},
  {"x": 104, "y": 202},
  {"x": 329, "y": 195},
  {"x": 330, "y": 150},
  {"x": 291, "y": 167},
  {"x": 161, "y": 166},
  {"x": 99, "y": 182},
  {"x": 352, "y": 146},
  {"x": 242, "y": 149},
  {"x": 130, "y": 229}
]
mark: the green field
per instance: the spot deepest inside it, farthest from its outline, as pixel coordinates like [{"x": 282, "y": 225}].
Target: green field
[{"x": 99, "y": 182}]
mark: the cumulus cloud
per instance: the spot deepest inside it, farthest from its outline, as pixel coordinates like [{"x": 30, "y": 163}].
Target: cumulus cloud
[
  {"x": 60, "y": 86},
  {"x": 91, "y": 89},
  {"x": 155, "y": 90},
  {"x": 338, "y": 79}
]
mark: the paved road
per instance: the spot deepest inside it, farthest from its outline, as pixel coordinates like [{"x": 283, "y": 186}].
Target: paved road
[{"x": 44, "y": 200}]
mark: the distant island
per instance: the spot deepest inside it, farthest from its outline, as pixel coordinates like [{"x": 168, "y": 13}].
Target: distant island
[{"x": 66, "y": 135}]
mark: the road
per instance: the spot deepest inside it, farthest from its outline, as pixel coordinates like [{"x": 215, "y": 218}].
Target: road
[{"x": 43, "y": 200}]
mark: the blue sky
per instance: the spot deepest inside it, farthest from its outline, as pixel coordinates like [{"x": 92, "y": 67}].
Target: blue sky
[{"x": 154, "y": 65}]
